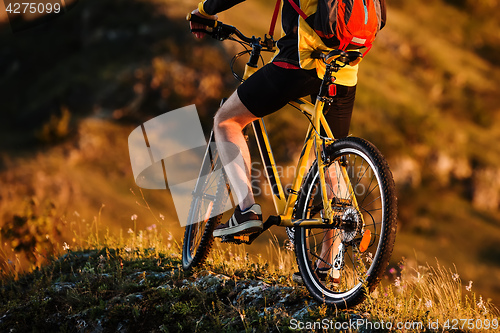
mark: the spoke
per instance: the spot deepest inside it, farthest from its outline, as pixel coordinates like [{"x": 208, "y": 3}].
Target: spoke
[
  {"x": 367, "y": 205},
  {"x": 339, "y": 175},
  {"x": 319, "y": 258},
  {"x": 368, "y": 193},
  {"x": 374, "y": 223},
  {"x": 360, "y": 177},
  {"x": 353, "y": 266},
  {"x": 372, "y": 210},
  {"x": 361, "y": 166},
  {"x": 321, "y": 232},
  {"x": 208, "y": 197},
  {"x": 350, "y": 194}
]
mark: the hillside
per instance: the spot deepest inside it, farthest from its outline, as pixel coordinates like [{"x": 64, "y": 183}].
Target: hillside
[
  {"x": 75, "y": 88},
  {"x": 145, "y": 290}
]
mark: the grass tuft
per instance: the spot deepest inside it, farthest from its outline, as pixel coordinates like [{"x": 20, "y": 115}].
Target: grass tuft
[{"x": 136, "y": 282}]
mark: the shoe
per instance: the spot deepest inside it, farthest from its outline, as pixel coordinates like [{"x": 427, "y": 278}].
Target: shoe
[
  {"x": 322, "y": 274},
  {"x": 297, "y": 278},
  {"x": 241, "y": 223}
]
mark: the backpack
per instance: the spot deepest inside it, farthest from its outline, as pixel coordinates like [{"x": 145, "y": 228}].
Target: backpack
[{"x": 346, "y": 24}]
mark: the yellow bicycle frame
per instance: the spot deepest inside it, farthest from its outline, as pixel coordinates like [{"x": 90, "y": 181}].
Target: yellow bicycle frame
[{"x": 284, "y": 206}]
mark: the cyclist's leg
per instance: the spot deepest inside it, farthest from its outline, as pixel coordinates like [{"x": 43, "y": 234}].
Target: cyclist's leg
[
  {"x": 229, "y": 122},
  {"x": 331, "y": 238},
  {"x": 339, "y": 112},
  {"x": 265, "y": 92}
]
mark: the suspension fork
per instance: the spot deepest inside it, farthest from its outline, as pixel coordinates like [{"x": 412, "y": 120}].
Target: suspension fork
[
  {"x": 321, "y": 100},
  {"x": 324, "y": 96}
]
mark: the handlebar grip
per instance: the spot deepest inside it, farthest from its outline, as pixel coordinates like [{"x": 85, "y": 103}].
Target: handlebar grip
[
  {"x": 318, "y": 55},
  {"x": 201, "y": 20}
]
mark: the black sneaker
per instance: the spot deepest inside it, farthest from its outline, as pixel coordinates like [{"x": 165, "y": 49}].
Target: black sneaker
[{"x": 241, "y": 223}]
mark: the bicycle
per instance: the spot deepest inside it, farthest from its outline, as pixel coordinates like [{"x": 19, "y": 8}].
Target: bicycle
[{"x": 346, "y": 224}]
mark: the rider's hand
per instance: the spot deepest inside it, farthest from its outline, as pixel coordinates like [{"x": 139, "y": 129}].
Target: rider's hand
[{"x": 198, "y": 25}]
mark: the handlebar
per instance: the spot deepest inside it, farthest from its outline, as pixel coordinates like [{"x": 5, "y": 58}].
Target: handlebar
[
  {"x": 223, "y": 31},
  {"x": 220, "y": 30},
  {"x": 202, "y": 20}
]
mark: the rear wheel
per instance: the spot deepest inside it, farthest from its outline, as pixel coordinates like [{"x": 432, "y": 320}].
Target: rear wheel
[
  {"x": 340, "y": 265},
  {"x": 209, "y": 198}
]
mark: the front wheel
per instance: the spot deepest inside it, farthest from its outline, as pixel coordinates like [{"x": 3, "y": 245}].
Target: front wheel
[{"x": 339, "y": 266}]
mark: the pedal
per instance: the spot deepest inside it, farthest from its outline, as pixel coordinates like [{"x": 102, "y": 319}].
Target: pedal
[
  {"x": 249, "y": 238},
  {"x": 238, "y": 239}
]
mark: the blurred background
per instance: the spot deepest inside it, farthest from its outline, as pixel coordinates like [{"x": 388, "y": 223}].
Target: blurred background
[{"x": 73, "y": 89}]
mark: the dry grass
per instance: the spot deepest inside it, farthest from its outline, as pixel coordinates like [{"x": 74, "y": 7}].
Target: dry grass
[
  {"x": 410, "y": 294},
  {"x": 79, "y": 177},
  {"x": 430, "y": 294}
]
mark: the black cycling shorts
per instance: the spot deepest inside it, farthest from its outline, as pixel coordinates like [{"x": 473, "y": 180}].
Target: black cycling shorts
[{"x": 272, "y": 87}]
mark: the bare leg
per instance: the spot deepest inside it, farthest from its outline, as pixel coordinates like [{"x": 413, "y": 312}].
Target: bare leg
[
  {"x": 229, "y": 122},
  {"x": 336, "y": 187}
]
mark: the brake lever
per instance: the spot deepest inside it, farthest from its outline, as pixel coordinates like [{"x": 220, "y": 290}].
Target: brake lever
[
  {"x": 220, "y": 34},
  {"x": 268, "y": 42}
]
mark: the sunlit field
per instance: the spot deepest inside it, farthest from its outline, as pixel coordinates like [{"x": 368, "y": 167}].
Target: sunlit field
[{"x": 427, "y": 98}]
